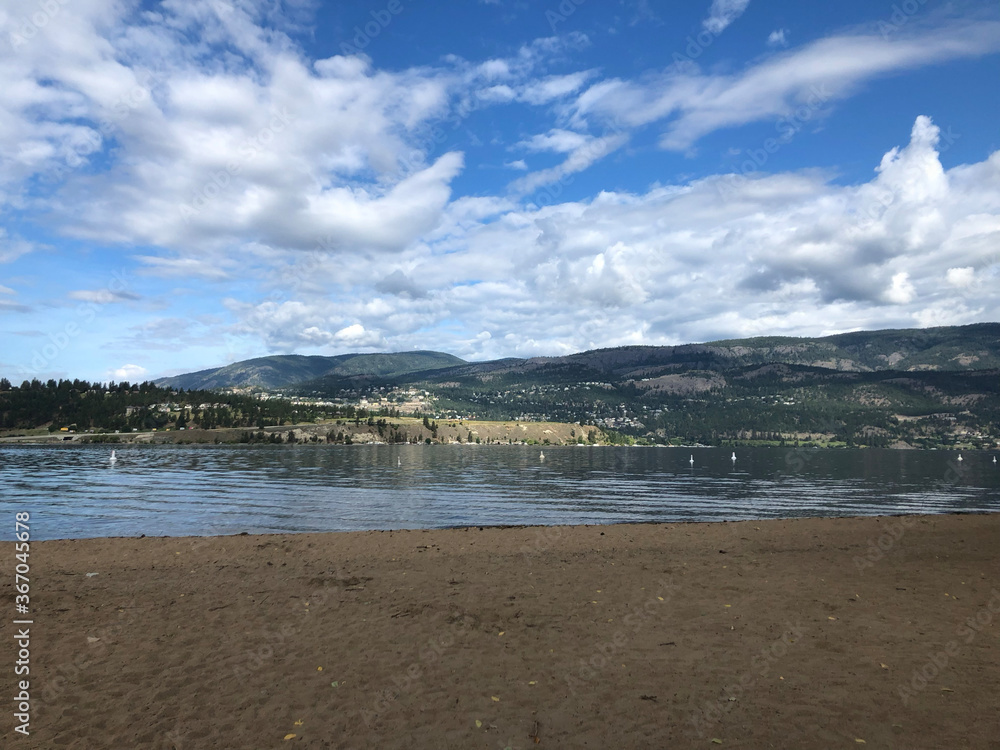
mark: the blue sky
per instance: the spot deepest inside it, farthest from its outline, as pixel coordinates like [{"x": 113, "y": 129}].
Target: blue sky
[{"x": 183, "y": 185}]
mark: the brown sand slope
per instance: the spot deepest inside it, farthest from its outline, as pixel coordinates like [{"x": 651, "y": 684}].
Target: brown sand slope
[{"x": 785, "y": 634}]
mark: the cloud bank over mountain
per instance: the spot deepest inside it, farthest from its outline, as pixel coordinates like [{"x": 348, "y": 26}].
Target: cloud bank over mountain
[{"x": 212, "y": 179}]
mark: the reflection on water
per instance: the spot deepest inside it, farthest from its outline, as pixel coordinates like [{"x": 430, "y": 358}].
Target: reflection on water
[{"x": 75, "y": 491}]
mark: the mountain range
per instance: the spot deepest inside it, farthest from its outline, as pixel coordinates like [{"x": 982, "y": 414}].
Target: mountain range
[
  {"x": 284, "y": 371},
  {"x": 949, "y": 349},
  {"x": 934, "y": 387}
]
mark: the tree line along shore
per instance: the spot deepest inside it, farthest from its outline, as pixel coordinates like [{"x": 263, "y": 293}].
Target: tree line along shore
[
  {"x": 372, "y": 430},
  {"x": 80, "y": 411}
]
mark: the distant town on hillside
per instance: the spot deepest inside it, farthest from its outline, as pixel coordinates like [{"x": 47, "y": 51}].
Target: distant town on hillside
[{"x": 918, "y": 388}]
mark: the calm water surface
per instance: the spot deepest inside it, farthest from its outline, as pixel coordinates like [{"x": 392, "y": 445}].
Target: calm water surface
[{"x": 74, "y": 491}]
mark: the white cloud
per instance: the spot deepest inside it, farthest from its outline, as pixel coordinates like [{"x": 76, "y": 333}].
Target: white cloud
[
  {"x": 613, "y": 278},
  {"x": 777, "y": 38},
  {"x": 961, "y": 277},
  {"x": 916, "y": 173},
  {"x": 267, "y": 145},
  {"x": 582, "y": 151},
  {"x": 13, "y": 247},
  {"x": 500, "y": 94},
  {"x": 319, "y": 193},
  {"x": 10, "y": 305},
  {"x": 186, "y": 268},
  {"x": 558, "y": 140},
  {"x": 901, "y": 291},
  {"x": 103, "y": 296},
  {"x": 356, "y": 336},
  {"x": 314, "y": 323},
  {"x": 812, "y": 77},
  {"x": 284, "y": 151},
  {"x": 262, "y": 144},
  {"x": 554, "y": 87},
  {"x": 128, "y": 372},
  {"x": 724, "y": 12},
  {"x": 713, "y": 258}
]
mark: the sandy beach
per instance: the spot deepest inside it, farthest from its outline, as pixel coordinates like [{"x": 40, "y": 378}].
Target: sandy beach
[{"x": 814, "y": 633}]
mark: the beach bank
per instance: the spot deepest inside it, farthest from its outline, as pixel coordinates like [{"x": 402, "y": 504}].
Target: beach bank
[{"x": 875, "y": 632}]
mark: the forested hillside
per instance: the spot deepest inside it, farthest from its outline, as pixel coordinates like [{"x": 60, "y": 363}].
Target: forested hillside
[
  {"x": 933, "y": 387},
  {"x": 79, "y": 406}
]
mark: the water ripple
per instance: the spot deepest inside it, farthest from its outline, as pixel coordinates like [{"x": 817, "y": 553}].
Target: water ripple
[{"x": 74, "y": 491}]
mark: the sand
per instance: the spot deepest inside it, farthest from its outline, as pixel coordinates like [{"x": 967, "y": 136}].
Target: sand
[{"x": 815, "y": 633}]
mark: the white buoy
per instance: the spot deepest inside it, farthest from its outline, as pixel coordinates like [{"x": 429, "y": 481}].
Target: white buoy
[
  {"x": 691, "y": 460},
  {"x": 994, "y": 459},
  {"x": 399, "y": 462},
  {"x": 541, "y": 455},
  {"x": 113, "y": 457},
  {"x": 733, "y": 459},
  {"x": 960, "y": 457}
]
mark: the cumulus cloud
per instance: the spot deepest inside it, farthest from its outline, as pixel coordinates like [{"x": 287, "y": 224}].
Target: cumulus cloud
[
  {"x": 356, "y": 336},
  {"x": 961, "y": 277},
  {"x": 286, "y": 326},
  {"x": 262, "y": 143},
  {"x": 915, "y": 173},
  {"x": 901, "y": 291},
  {"x": 128, "y": 372},
  {"x": 612, "y": 278},
  {"x": 267, "y": 145},
  {"x": 318, "y": 194},
  {"x": 399, "y": 283},
  {"x": 712, "y": 258}
]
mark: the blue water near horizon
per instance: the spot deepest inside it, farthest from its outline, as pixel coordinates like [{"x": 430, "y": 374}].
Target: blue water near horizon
[{"x": 178, "y": 490}]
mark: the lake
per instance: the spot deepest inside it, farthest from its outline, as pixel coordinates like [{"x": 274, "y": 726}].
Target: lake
[{"x": 173, "y": 490}]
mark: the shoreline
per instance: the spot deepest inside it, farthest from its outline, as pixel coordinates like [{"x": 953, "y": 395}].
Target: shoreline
[
  {"x": 406, "y": 430},
  {"x": 523, "y": 526},
  {"x": 402, "y": 430},
  {"x": 814, "y": 632},
  {"x": 214, "y": 438}
]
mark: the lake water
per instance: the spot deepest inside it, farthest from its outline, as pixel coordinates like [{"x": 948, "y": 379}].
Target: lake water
[{"x": 75, "y": 492}]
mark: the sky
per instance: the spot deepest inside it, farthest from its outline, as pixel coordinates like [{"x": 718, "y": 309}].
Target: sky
[{"x": 188, "y": 184}]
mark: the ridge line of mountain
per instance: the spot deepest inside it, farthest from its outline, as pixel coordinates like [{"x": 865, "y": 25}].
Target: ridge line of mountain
[{"x": 950, "y": 348}]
